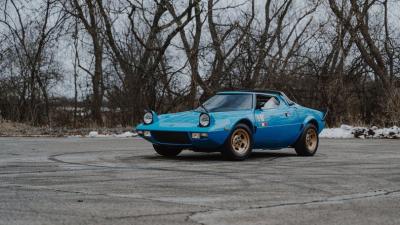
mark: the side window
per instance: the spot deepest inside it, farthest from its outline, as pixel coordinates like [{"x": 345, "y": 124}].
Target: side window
[
  {"x": 272, "y": 103},
  {"x": 266, "y": 102}
]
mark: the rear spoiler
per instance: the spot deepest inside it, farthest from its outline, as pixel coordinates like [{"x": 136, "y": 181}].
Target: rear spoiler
[{"x": 325, "y": 112}]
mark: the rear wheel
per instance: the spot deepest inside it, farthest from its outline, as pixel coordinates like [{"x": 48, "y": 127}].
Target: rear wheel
[
  {"x": 167, "y": 150},
  {"x": 239, "y": 144},
  {"x": 307, "y": 145}
]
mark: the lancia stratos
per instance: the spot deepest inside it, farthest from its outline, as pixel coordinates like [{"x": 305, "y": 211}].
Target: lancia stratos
[{"x": 234, "y": 123}]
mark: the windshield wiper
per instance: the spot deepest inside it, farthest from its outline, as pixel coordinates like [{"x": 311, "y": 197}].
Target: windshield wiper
[{"x": 202, "y": 106}]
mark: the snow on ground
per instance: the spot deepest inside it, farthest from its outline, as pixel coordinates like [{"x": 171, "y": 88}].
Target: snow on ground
[
  {"x": 95, "y": 134},
  {"x": 343, "y": 131},
  {"x": 346, "y": 131},
  {"x": 126, "y": 134}
]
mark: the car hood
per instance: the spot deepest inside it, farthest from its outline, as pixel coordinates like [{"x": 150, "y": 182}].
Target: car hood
[
  {"x": 190, "y": 119},
  {"x": 181, "y": 119}
]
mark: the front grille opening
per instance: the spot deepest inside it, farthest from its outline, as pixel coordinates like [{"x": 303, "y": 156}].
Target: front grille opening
[{"x": 171, "y": 137}]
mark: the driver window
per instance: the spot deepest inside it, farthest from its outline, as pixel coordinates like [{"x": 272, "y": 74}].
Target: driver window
[{"x": 267, "y": 102}]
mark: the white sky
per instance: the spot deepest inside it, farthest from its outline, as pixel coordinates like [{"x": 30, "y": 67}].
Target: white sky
[{"x": 65, "y": 49}]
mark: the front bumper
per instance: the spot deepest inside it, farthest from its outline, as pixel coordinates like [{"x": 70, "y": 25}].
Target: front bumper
[{"x": 184, "y": 138}]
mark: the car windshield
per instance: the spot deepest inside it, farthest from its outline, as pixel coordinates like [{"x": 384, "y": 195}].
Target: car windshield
[{"x": 228, "y": 102}]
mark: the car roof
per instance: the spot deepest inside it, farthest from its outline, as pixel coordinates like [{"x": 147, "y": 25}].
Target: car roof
[{"x": 271, "y": 92}]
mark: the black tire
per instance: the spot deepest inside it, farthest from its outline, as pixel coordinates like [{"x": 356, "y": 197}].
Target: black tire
[
  {"x": 307, "y": 145},
  {"x": 167, "y": 150},
  {"x": 232, "y": 147}
]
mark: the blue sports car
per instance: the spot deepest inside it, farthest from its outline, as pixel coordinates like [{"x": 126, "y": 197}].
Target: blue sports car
[{"x": 234, "y": 123}]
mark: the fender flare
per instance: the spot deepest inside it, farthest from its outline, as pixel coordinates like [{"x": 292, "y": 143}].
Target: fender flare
[
  {"x": 310, "y": 119},
  {"x": 244, "y": 120},
  {"x": 307, "y": 120}
]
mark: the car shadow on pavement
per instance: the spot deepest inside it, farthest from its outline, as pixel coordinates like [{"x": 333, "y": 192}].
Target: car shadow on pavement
[
  {"x": 196, "y": 156},
  {"x": 270, "y": 154}
]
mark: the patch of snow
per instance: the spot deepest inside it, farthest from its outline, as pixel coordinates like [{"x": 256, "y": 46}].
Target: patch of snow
[
  {"x": 346, "y": 127},
  {"x": 95, "y": 134},
  {"x": 336, "y": 133},
  {"x": 74, "y": 136},
  {"x": 392, "y": 132},
  {"x": 126, "y": 134},
  {"x": 346, "y": 131}
]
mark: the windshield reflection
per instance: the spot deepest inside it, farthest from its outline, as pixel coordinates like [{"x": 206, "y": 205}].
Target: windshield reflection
[{"x": 227, "y": 102}]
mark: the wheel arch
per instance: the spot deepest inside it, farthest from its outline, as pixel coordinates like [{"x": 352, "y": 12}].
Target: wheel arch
[
  {"x": 310, "y": 120},
  {"x": 227, "y": 151},
  {"x": 307, "y": 120},
  {"x": 314, "y": 122},
  {"x": 247, "y": 122},
  {"x": 232, "y": 123}
]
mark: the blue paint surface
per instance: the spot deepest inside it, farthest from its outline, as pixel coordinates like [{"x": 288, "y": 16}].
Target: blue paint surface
[{"x": 271, "y": 128}]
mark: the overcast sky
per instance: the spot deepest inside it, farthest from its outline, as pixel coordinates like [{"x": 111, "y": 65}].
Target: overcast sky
[{"x": 65, "y": 49}]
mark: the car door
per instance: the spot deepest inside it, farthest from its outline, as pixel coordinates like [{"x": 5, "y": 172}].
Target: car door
[
  {"x": 290, "y": 123},
  {"x": 276, "y": 126}
]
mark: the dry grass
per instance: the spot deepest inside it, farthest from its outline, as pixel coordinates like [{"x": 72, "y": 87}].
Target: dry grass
[{"x": 13, "y": 129}]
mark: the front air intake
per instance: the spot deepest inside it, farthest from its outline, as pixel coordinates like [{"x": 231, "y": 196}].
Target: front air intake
[{"x": 171, "y": 137}]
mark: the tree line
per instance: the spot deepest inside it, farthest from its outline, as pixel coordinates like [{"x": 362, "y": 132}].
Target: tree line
[{"x": 114, "y": 59}]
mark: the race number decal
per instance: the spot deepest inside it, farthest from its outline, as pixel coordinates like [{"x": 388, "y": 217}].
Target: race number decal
[{"x": 260, "y": 118}]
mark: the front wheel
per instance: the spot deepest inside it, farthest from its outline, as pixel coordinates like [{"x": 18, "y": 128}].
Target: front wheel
[
  {"x": 239, "y": 144},
  {"x": 307, "y": 145},
  {"x": 167, "y": 150}
]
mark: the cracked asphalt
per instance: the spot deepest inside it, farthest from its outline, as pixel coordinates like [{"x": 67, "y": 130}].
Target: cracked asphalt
[{"x": 122, "y": 181}]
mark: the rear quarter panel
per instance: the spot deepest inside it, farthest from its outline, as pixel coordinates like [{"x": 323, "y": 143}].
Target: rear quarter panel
[{"x": 309, "y": 115}]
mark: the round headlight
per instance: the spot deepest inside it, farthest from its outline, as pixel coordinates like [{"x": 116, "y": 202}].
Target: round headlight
[
  {"x": 148, "y": 118},
  {"x": 204, "y": 120}
]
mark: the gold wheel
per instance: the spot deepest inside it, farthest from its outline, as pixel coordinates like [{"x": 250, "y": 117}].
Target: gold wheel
[
  {"x": 311, "y": 140},
  {"x": 240, "y": 141}
]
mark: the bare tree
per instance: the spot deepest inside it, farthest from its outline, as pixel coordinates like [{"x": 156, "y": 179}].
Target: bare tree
[
  {"x": 31, "y": 40},
  {"x": 356, "y": 20},
  {"x": 86, "y": 11},
  {"x": 153, "y": 46}
]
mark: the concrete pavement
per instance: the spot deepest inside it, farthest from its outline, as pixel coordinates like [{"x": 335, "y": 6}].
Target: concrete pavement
[{"x": 122, "y": 181}]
